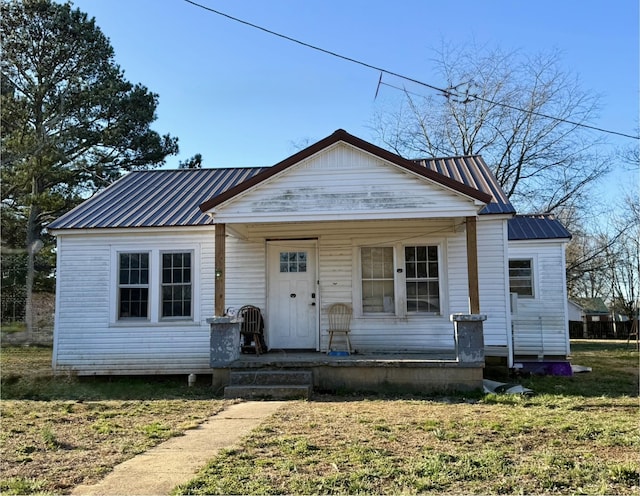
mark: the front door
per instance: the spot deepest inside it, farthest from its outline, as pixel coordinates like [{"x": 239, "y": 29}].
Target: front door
[{"x": 292, "y": 313}]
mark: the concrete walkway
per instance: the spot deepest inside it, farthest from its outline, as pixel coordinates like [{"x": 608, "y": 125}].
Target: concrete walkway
[{"x": 176, "y": 461}]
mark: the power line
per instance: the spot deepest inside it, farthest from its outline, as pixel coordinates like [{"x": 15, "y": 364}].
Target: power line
[{"x": 447, "y": 92}]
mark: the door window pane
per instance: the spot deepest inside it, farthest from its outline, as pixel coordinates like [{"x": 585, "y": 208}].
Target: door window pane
[{"x": 293, "y": 261}]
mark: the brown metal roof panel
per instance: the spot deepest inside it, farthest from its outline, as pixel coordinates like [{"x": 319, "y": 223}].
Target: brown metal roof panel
[
  {"x": 153, "y": 199},
  {"x": 473, "y": 172}
]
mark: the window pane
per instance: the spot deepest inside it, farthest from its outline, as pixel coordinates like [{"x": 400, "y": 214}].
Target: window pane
[
  {"x": 520, "y": 277},
  {"x": 421, "y": 253},
  {"x": 421, "y": 269},
  {"x": 134, "y": 302}
]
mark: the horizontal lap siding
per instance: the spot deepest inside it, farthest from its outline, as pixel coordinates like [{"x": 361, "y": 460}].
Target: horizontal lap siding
[
  {"x": 332, "y": 184},
  {"x": 245, "y": 283},
  {"x": 540, "y": 324},
  {"x": 85, "y": 340},
  {"x": 336, "y": 243},
  {"x": 494, "y": 292}
]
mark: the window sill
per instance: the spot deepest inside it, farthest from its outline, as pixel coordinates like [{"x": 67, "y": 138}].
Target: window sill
[{"x": 147, "y": 323}]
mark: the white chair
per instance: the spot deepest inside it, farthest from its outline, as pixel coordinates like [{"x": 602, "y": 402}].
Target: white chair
[{"x": 340, "y": 323}]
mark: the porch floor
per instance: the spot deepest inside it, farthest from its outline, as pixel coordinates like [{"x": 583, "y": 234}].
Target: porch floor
[{"x": 285, "y": 359}]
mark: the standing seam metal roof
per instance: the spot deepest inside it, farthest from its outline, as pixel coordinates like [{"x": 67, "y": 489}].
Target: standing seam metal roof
[
  {"x": 156, "y": 198},
  {"x": 169, "y": 198},
  {"x": 539, "y": 226},
  {"x": 472, "y": 171}
]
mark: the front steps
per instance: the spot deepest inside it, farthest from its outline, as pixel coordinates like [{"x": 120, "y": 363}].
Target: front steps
[{"x": 252, "y": 384}]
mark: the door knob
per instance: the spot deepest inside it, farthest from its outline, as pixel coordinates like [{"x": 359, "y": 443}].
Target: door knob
[{"x": 292, "y": 295}]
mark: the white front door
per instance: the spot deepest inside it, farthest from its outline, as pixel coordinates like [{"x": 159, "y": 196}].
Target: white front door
[{"x": 292, "y": 313}]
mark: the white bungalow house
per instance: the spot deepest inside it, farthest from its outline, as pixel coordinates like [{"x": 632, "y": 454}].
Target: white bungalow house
[{"x": 143, "y": 264}]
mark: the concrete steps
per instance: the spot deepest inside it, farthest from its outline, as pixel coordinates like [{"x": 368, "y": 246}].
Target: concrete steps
[{"x": 269, "y": 384}]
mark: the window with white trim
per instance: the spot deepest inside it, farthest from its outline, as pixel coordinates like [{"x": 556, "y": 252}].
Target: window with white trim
[
  {"x": 521, "y": 277},
  {"x": 378, "y": 292},
  {"x": 392, "y": 274},
  {"x": 176, "y": 285},
  {"x": 133, "y": 286},
  {"x": 422, "y": 279}
]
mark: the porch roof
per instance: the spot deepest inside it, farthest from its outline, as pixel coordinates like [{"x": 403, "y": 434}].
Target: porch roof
[{"x": 176, "y": 198}]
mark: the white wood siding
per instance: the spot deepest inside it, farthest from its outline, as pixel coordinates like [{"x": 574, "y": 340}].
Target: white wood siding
[
  {"x": 540, "y": 324},
  {"x": 343, "y": 182},
  {"x": 493, "y": 283},
  {"x": 338, "y": 261},
  {"x": 89, "y": 340}
]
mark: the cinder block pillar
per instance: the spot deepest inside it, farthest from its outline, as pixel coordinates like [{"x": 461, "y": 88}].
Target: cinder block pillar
[
  {"x": 225, "y": 341},
  {"x": 469, "y": 337}
]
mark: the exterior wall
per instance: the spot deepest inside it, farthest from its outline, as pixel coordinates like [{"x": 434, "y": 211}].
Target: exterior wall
[
  {"x": 540, "y": 324},
  {"x": 494, "y": 284},
  {"x": 338, "y": 261},
  {"x": 88, "y": 339}
]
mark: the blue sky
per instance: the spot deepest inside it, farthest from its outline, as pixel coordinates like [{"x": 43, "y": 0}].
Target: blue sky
[{"x": 242, "y": 97}]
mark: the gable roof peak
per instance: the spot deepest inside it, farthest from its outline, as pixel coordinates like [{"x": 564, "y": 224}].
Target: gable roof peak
[{"x": 340, "y": 135}]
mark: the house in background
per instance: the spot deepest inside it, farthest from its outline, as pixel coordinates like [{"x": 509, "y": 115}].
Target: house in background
[{"x": 143, "y": 264}]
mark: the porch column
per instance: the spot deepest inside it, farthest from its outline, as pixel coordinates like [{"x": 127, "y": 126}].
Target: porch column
[
  {"x": 220, "y": 269},
  {"x": 472, "y": 264}
]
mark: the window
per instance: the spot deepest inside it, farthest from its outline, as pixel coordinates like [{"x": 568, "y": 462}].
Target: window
[
  {"x": 521, "y": 277},
  {"x": 377, "y": 280},
  {"x": 293, "y": 261},
  {"x": 133, "y": 285},
  {"x": 176, "y": 285},
  {"x": 421, "y": 276}
]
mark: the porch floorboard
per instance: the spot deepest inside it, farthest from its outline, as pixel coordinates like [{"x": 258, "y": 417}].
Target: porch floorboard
[{"x": 282, "y": 358}]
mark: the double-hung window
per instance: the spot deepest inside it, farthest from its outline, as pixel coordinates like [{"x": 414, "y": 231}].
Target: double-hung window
[
  {"x": 416, "y": 279},
  {"x": 521, "y": 277},
  {"x": 133, "y": 286},
  {"x": 377, "y": 280},
  {"x": 176, "y": 285},
  {"x": 422, "y": 279},
  {"x": 155, "y": 286}
]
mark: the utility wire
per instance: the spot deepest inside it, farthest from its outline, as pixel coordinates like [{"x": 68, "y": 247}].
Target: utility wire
[{"x": 447, "y": 92}]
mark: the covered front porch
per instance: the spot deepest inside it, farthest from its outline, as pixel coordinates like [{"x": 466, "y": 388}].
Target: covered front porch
[{"x": 285, "y": 372}]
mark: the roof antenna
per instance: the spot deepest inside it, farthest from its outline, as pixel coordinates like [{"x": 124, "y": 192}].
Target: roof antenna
[{"x": 378, "y": 87}]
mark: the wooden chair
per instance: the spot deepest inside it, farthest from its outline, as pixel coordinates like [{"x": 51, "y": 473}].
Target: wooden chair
[
  {"x": 251, "y": 330},
  {"x": 340, "y": 323}
]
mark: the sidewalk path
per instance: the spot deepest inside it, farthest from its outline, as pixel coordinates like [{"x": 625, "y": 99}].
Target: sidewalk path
[{"x": 176, "y": 461}]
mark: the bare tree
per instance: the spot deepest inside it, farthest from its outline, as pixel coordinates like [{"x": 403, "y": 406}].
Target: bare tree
[{"x": 500, "y": 105}]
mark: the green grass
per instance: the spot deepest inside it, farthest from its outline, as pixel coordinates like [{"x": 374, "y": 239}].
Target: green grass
[
  {"x": 576, "y": 435},
  {"x": 58, "y": 432}
]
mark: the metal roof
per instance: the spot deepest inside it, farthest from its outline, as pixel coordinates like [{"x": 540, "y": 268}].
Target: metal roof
[
  {"x": 154, "y": 198},
  {"x": 166, "y": 198},
  {"x": 472, "y": 171},
  {"x": 539, "y": 226}
]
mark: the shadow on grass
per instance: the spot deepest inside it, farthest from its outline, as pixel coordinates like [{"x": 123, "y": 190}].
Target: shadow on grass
[{"x": 104, "y": 388}]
